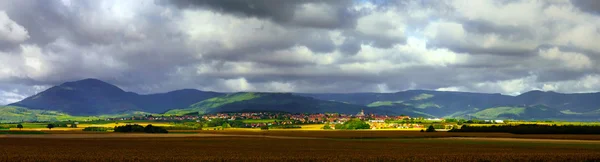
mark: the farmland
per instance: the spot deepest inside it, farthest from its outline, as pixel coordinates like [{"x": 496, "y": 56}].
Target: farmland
[{"x": 202, "y": 147}]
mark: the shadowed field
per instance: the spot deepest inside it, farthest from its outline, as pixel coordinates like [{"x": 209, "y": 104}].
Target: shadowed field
[
  {"x": 258, "y": 147},
  {"x": 369, "y": 134}
]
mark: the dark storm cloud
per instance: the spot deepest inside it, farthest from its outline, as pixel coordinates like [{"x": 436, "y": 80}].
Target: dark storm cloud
[
  {"x": 506, "y": 32},
  {"x": 301, "y": 46},
  {"x": 81, "y": 49},
  {"x": 41, "y": 21},
  {"x": 350, "y": 46},
  {"x": 279, "y": 11},
  {"x": 318, "y": 41},
  {"x": 591, "y": 6}
]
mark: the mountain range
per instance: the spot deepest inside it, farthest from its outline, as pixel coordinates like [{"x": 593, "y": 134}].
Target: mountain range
[{"x": 92, "y": 97}]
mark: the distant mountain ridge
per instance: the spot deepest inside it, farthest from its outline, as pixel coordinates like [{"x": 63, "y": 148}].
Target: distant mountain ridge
[
  {"x": 466, "y": 104},
  {"x": 95, "y": 97}
]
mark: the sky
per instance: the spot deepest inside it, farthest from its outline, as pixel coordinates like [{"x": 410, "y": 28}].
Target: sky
[{"x": 332, "y": 46}]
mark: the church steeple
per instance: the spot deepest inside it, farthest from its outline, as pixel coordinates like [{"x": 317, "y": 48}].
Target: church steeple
[{"x": 361, "y": 113}]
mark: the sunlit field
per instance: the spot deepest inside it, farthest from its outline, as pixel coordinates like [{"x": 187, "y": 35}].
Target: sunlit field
[
  {"x": 42, "y": 126},
  {"x": 111, "y": 125}
]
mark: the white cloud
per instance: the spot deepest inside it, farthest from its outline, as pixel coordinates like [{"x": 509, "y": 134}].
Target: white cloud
[
  {"x": 383, "y": 24},
  {"x": 480, "y": 46},
  {"x": 239, "y": 84},
  {"x": 508, "y": 87},
  {"x": 10, "y": 31},
  {"x": 517, "y": 13},
  {"x": 7, "y": 97},
  {"x": 570, "y": 60},
  {"x": 450, "y": 89}
]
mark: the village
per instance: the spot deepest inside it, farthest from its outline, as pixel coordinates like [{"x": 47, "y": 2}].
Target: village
[{"x": 258, "y": 119}]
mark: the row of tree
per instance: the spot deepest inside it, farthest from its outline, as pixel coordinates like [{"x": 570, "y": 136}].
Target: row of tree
[
  {"x": 140, "y": 129},
  {"x": 51, "y": 125}
]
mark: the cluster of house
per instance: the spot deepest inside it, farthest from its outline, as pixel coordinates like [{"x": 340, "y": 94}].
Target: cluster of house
[{"x": 376, "y": 121}]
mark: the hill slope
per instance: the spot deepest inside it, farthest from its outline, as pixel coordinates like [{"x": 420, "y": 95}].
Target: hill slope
[
  {"x": 14, "y": 114},
  {"x": 272, "y": 102},
  {"x": 464, "y": 104},
  {"x": 95, "y": 97}
]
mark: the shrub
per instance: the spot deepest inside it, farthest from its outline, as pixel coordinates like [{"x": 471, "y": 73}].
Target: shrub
[
  {"x": 430, "y": 129},
  {"x": 264, "y": 127},
  {"x": 129, "y": 128},
  {"x": 354, "y": 124},
  {"x": 139, "y": 129},
  {"x": 182, "y": 128},
  {"x": 96, "y": 129},
  {"x": 152, "y": 129},
  {"x": 50, "y": 126},
  {"x": 286, "y": 126}
]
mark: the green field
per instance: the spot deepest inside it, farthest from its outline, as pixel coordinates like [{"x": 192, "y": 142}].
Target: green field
[
  {"x": 383, "y": 103},
  {"x": 258, "y": 120},
  {"x": 491, "y": 113}
]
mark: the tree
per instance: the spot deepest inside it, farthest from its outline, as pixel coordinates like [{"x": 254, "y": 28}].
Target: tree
[
  {"x": 50, "y": 126},
  {"x": 226, "y": 125},
  {"x": 129, "y": 128},
  {"x": 353, "y": 124},
  {"x": 20, "y": 126},
  {"x": 73, "y": 125},
  {"x": 338, "y": 126},
  {"x": 451, "y": 120},
  {"x": 430, "y": 129},
  {"x": 327, "y": 126},
  {"x": 152, "y": 129}
]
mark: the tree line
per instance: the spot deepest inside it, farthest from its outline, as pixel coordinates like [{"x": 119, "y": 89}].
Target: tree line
[{"x": 140, "y": 129}]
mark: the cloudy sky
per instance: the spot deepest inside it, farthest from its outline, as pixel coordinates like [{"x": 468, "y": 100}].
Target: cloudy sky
[{"x": 507, "y": 47}]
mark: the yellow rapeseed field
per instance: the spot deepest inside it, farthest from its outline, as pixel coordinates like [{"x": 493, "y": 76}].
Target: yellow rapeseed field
[{"x": 112, "y": 125}]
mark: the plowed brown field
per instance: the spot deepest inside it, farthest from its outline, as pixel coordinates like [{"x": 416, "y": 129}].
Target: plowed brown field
[{"x": 183, "y": 147}]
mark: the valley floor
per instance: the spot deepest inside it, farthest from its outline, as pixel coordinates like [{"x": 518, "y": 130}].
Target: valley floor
[{"x": 298, "y": 146}]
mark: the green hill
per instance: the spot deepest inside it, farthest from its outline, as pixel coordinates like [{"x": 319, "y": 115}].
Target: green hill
[
  {"x": 496, "y": 112},
  {"x": 272, "y": 102},
  {"x": 92, "y": 97},
  {"x": 18, "y": 114},
  {"x": 211, "y": 103},
  {"x": 12, "y": 114},
  {"x": 536, "y": 112}
]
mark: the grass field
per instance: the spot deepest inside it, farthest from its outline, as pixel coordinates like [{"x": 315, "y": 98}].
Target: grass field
[
  {"x": 258, "y": 120},
  {"x": 273, "y": 149}
]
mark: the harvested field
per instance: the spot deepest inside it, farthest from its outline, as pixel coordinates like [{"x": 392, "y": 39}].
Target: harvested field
[
  {"x": 271, "y": 149},
  {"x": 370, "y": 134}
]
